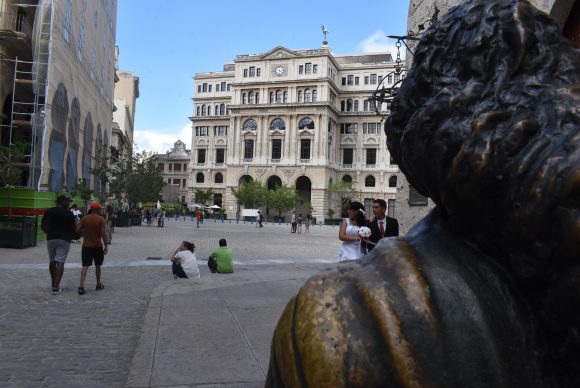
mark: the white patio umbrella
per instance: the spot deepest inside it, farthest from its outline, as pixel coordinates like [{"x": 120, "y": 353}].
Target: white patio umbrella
[
  {"x": 214, "y": 207},
  {"x": 158, "y": 204}
]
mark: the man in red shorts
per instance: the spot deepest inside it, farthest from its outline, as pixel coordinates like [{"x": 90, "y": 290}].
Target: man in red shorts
[{"x": 93, "y": 229}]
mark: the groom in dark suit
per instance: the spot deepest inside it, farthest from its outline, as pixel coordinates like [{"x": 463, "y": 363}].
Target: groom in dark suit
[{"x": 381, "y": 226}]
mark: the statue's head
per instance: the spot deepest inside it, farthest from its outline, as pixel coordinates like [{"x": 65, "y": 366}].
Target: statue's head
[{"x": 487, "y": 124}]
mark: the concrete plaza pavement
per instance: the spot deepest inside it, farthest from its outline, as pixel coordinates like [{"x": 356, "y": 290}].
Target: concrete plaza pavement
[{"x": 146, "y": 329}]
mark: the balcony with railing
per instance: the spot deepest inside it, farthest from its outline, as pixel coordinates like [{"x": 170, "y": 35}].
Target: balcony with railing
[{"x": 15, "y": 24}]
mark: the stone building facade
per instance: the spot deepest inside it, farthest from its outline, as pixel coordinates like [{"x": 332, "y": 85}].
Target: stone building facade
[
  {"x": 65, "y": 77},
  {"x": 125, "y": 100},
  {"x": 174, "y": 168},
  {"x": 301, "y": 118}
]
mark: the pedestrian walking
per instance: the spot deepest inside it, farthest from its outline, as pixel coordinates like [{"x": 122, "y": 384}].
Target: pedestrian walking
[
  {"x": 59, "y": 225},
  {"x": 307, "y": 224},
  {"x": 259, "y": 219},
  {"x": 198, "y": 217},
  {"x": 93, "y": 228},
  {"x": 161, "y": 218},
  {"x": 293, "y": 223},
  {"x": 299, "y": 221}
]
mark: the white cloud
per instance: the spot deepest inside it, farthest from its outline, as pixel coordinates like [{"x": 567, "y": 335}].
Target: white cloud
[
  {"x": 379, "y": 43},
  {"x": 160, "y": 142}
]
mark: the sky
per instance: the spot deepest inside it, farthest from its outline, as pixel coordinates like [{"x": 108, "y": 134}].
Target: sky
[{"x": 165, "y": 43}]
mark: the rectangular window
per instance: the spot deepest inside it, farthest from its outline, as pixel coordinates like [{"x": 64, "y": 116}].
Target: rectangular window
[
  {"x": 176, "y": 182},
  {"x": 248, "y": 149},
  {"x": 305, "y": 149},
  {"x": 308, "y": 68},
  {"x": 201, "y": 155},
  {"x": 93, "y": 63},
  {"x": 184, "y": 185},
  {"x": 67, "y": 21},
  {"x": 371, "y": 156},
  {"x": 314, "y": 69},
  {"x": 258, "y": 72},
  {"x": 369, "y": 205},
  {"x": 366, "y": 79},
  {"x": 391, "y": 208},
  {"x": 416, "y": 198},
  {"x": 380, "y": 78},
  {"x": 199, "y": 88},
  {"x": 223, "y": 87},
  {"x": 204, "y": 87},
  {"x": 276, "y": 148},
  {"x": 356, "y": 80},
  {"x": 160, "y": 167},
  {"x": 80, "y": 43},
  {"x": 217, "y": 87},
  {"x": 349, "y": 79},
  {"x": 348, "y": 128},
  {"x": 301, "y": 69},
  {"x": 177, "y": 167},
  {"x": 170, "y": 167},
  {"x": 245, "y": 73},
  {"x": 252, "y": 71},
  {"x": 229, "y": 87},
  {"x": 347, "y": 155},
  {"x": 209, "y": 88},
  {"x": 221, "y": 130},
  {"x": 397, "y": 77},
  {"x": 201, "y": 131},
  {"x": 373, "y": 79},
  {"x": 389, "y": 79},
  {"x": 220, "y": 155},
  {"x": 344, "y": 80}
]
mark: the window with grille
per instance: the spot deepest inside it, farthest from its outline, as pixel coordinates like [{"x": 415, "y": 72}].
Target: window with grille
[
  {"x": 248, "y": 149},
  {"x": 347, "y": 155},
  {"x": 305, "y": 149},
  {"x": 201, "y": 155},
  {"x": 371, "y": 156},
  {"x": 276, "y": 148},
  {"x": 220, "y": 155}
]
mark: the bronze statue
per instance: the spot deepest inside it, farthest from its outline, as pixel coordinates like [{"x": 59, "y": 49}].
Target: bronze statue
[{"x": 485, "y": 291}]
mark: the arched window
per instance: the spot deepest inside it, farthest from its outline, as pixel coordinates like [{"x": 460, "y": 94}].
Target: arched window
[
  {"x": 209, "y": 110},
  {"x": 356, "y": 105},
  {"x": 199, "y": 110},
  {"x": 314, "y": 96},
  {"x": 244, "y": 99},
  {"x": 366, "y": 105},
  {"x": 349, "y": 105},
  {"x": 300, "y": 96},
  {"x": 271, "y": 97},
  {"x": 250, "y": 125},
  {"x": 306, "y": 122},
  {"x": 307, "y": 95},
  {"x": 218, "y": 178},
  {"x": 347, "y": 179},
  {"x": 370, "y": 181},
  {"x": 203, "y": 110},
  {"x": 222, "y": 109},
  {"x": 285, "y": 98},
  {"x": 257, "y": 97},
  {"x": 278, "y": 96},
  {"x": 393, "y": 181},
  {"x": 216, "y": 111},
  {"x": 278, "y": 124},
  {"x": 251, "y": 98},
  {"x": 342, "y": 106},
  {"x": 200, "y": 178}
]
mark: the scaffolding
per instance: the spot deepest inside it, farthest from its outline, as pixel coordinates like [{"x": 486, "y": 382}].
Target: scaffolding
[{"x": 27, "y": 121}]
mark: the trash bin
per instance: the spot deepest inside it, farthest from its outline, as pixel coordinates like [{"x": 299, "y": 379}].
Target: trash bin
[{"x": 17, "y": 232}]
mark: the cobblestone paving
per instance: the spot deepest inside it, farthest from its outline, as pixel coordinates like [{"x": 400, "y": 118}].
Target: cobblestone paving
[{"x": 69, "y": 340}]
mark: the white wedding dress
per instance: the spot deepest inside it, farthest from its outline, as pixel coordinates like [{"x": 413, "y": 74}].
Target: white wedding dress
[{"x": 350, "y": 250}]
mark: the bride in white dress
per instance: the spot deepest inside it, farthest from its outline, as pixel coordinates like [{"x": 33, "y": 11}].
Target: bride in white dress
[{"x": 351, "y": 248}]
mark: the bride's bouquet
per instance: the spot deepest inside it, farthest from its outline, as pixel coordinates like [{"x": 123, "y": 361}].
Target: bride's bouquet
[{"x": 364, "y": 232}]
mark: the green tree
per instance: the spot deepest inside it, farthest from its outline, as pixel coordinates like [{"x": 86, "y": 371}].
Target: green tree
[
  {"x": 203, "y": 197},
  {"x": 342, "y": 193},
  {"x": 251, "y": 194},
  {"x": 82, "y": 190},
  {"x": 131, "y": 175},
  {"x": 283, "y": 198},
  {"x": 10, "y": 158}
]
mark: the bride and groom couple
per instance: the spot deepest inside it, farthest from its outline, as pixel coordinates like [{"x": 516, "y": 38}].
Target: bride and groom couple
[{"x": 354, "y": 246}]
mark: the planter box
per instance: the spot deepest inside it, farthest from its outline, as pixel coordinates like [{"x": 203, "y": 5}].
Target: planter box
[{"x": 17, "y": 232}]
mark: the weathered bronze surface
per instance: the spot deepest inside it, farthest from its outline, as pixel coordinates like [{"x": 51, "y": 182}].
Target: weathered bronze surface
[{"x": 485, "y": 291}]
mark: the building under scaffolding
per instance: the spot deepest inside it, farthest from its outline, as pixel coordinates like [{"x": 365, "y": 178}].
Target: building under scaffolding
[{"x": 57, "y": 69}]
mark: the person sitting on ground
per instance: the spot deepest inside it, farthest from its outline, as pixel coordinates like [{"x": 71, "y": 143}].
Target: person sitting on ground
[
  {"x": 222, "y": 259},
  {"x": 184, "y": 262}
]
